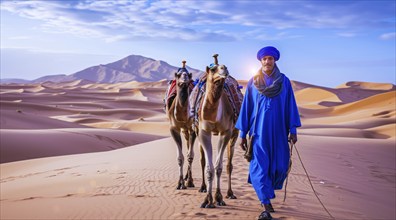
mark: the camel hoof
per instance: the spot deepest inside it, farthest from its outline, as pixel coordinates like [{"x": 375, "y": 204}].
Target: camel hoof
[
  {"x": 206, "y": 205},
  {"x": 202, "y": 189},
  {"x": 180, "y": 186},
  {"x": 190, "y": 184},
  {"x": 210, "y": 206},
  {"x": 221, "y": 203},
  {"x": 208, "y": 202},
  {"x": 231, "y": 197}
]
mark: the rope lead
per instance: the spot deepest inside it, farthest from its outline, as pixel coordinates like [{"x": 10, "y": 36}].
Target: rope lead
[{"x": 306, "y": 173}]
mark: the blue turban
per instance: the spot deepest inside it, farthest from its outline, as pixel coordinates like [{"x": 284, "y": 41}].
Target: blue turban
[{"x": 268, "y": 51}]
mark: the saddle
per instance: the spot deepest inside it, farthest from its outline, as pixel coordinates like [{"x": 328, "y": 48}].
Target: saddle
[{"x": 231, "y": 89}]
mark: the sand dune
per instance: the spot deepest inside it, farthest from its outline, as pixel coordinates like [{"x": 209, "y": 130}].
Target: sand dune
[
  {"x": 368, "y": 85},
  {"x": 35, "y": 108},
  {"x": 348, "y": 132},
  {"x": 372, "y": 117},
  {"x": 5, "y": 91},
  {"x": 82, "y": 150},
  {"x": 127, "y": 185},
  {"x": 301, "y": 85},
  {"x": 346, "y": 93},
  {"x": 55, "y": 142},
  {"x": 35, "y": 89},
  {"x": 14, "y": 86},
  {"x": 381, "y": 101},
  {"x": 40, "y": 110},
  {"x": 73, "y": 84},
  {"x": 138, "y": 95},
  {"x": 386, "y": 130},
  {"x": 22, "y": 120},
  {"x": 315, "y": 97}
]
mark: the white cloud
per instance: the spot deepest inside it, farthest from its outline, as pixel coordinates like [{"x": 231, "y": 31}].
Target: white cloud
[
  {"x": 347, "y": 34},
  {"x": 388, "y": 36},
  {"x": 20, "y": 38},
  {"x": 200, "y": 20}
]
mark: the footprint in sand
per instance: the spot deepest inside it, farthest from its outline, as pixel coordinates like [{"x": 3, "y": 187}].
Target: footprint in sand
[
  {"x": 30, "y": 198},
  {"x": 50, "y": 176},
  {"x": 200, "y": 214}
]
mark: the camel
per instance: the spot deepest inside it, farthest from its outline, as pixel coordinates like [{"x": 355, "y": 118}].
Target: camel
[
  {"x": 216, "y": 116},
  {"x": 177, "y": 108}
]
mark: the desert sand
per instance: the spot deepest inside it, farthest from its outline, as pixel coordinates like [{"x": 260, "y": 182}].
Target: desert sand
[{"x": 83, "y": 150}]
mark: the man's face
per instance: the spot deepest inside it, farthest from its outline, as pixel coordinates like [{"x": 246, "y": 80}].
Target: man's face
[{"x": 268, "y": 63}]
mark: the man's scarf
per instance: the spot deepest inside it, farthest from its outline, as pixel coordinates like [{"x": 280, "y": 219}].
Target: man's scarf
[{"x": 269, "y": 90}]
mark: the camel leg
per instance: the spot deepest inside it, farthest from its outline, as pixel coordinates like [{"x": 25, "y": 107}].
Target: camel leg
[
  {"x": 190, "y": 157},
  {"x": 203, "y": 161},
  {"x": 187, "y": 138},
  {"x": 180, "y": 158},
  {"x": 223, "y": 141},
  {"x": 205, "y": 140},
  {"x": 230, "y": 153}
]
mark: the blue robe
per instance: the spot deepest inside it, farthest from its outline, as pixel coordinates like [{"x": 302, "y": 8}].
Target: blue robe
[{"x": 276, "y": 117}]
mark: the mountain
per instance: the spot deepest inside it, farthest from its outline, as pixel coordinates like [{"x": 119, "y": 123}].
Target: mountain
[
  {"x": 13, "y": 80},
  {"x": 133, "y": 67},
  {"x": 54, "y": 78}
]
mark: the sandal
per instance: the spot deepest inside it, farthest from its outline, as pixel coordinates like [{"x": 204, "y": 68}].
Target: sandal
[{"x": 265, "y": 215}]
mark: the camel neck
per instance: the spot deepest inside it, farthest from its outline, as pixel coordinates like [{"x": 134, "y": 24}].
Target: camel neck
[
  {"x": 214, "y": 91},
  {"x": 182, "y": 95}
]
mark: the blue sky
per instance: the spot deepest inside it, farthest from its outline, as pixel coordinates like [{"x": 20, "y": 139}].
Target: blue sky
[{"x": 321, "y": 42}]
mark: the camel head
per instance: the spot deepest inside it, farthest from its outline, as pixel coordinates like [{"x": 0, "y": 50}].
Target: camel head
[
  {"x": 216, "y": 75},
  {"x": 182, "y": 76},
  {"x": 183, "y": 80}
]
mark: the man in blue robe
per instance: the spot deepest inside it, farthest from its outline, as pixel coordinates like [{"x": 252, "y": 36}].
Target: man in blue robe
[{"x": 270, "y": 116}]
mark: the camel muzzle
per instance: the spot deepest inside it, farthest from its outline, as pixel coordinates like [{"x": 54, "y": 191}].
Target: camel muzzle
[
  {"x": 223, "y": 72},
  {"x": 184, "y": 78}
]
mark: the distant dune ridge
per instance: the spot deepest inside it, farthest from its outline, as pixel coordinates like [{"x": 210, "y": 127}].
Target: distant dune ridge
[{"x": 85, "y": 149}]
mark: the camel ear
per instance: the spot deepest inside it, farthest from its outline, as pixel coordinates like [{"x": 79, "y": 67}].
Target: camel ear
[
  {"x": 207, "y": 69},
  {"x": 175, "y": 74},
  {"x": 190, "y": 75}
]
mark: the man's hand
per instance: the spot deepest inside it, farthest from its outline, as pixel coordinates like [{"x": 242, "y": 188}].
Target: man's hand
[
  {"x": 293, "y": 138},
  {"x": 243, "y": 144}
]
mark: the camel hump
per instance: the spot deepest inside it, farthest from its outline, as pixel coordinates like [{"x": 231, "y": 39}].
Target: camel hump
[{"x": 234, "y": 94}]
